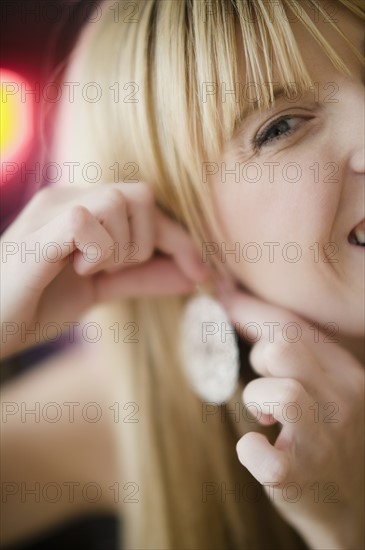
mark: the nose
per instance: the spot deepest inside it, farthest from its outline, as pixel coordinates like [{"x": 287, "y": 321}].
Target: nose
[
  {"x": 357, "y": 160},
  {"x": 354, "y": 143}
]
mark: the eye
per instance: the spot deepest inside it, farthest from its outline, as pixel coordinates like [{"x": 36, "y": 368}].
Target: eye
[{"x": 277, "y": 129}]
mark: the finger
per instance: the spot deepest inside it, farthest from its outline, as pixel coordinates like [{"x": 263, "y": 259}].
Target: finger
[
  {"x": 128, "y": 213},
  {"x": 284, "y": 359},
  {"x": 142, "y": 218},
  {"x": 150, "y": 228},
  {"x": 266, "y": 463},
  {"x": 109, "y": 207},
  {"x": 74, "y": 231},
  {"x": 173, "y": 240},
  {"x": 257, "y": 320},
  {"x": 157, "y": 277},
  {"x": 283, "y": 399}
]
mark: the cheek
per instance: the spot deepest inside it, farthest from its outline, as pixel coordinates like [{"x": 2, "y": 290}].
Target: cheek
[
  {"x": 234, "y": 206},
  {"x": 272, "y": 227},
  {"x": 291, "y": 207},
  {"x": 250, "y": 211},
  {"x": 276, "y": 229}
]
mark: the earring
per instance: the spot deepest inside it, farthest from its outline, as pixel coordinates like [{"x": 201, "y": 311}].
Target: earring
[{"x": 209, "y": 349}]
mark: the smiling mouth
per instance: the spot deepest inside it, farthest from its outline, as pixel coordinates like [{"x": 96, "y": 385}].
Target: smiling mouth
[{"x": 357, "y": 235}]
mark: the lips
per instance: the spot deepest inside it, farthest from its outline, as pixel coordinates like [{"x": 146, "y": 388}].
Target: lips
[{"x": 357, "y": 235}]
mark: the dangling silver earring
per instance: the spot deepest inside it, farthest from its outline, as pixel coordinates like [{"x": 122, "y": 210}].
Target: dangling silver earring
[{"x": 210, "y": 353}]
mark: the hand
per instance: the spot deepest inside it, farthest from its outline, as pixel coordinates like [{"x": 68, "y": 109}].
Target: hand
[
  {"x": 88, "y": 246},
  {"x": 315, "y": 389}
]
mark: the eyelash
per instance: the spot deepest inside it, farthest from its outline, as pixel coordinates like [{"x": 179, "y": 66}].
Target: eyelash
[{"x": 261, "y": 140}]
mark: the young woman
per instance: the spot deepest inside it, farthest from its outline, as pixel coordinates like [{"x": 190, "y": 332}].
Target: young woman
[{"x": 229, "y": 136}]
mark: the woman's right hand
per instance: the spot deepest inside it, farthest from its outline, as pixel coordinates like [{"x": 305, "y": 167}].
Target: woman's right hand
[{"x": 72, "y": 247}]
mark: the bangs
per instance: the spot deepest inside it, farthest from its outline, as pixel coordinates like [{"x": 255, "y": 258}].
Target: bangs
[
  {"x": 196, "y": 69},
  {"x": 244, "y": 51},
  {"x": 215, "y": 62},
  {"x": 209, "y": 65}
]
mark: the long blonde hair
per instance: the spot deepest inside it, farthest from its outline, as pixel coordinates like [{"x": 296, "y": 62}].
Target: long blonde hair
[{"x": 152, "y": 59}]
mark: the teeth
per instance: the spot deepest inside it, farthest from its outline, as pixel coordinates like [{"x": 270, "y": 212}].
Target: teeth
[
  {"x": 357, "y": 235},
  {"x": 360, "y": 236}
]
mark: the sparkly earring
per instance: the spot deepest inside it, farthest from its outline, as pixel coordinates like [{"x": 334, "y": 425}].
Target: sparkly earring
[{"x": 209, "y": 349}]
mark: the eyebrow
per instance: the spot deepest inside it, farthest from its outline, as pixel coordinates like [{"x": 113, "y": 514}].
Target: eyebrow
[{"x": 278, "y": 92}]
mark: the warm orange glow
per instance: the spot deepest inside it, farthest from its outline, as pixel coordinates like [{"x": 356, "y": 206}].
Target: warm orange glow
[{"x": 16, "y": 111}]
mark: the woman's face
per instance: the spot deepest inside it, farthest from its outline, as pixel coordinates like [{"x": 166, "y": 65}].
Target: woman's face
[{"x": 296, "y": 191}]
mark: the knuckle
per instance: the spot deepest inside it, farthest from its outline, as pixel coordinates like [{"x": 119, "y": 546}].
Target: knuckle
[
  {"x": 115, "y": 197},
  {"x": 278, "y": 351},
  {"x": 78, "y": 217},
  {"x": 291, "y": 391}
]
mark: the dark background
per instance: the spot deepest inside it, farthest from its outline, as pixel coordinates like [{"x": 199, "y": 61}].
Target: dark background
[{"x": 36, "y": 38}]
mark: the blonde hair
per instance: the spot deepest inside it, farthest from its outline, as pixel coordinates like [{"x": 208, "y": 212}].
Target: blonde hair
[{"x": 161, "y": 60}]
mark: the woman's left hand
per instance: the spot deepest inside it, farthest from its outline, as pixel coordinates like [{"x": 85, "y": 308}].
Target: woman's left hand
[{"x": 314, "y": 388}]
